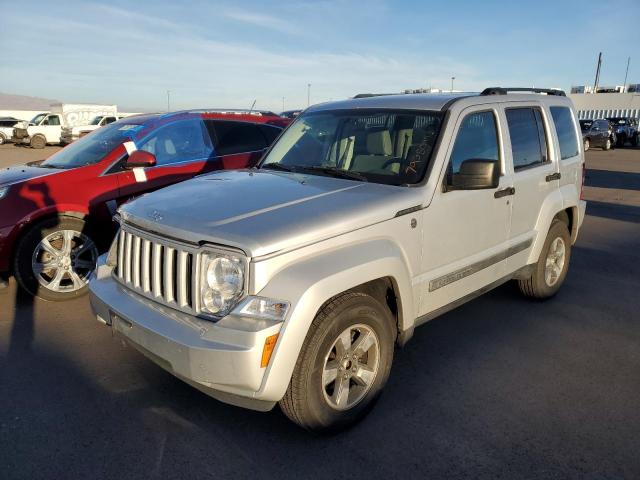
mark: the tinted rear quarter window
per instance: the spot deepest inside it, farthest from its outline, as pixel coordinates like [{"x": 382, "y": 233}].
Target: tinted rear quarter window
[
  {"x": 528, "y": 138},
  {"x": 270, "y": 133},
  {"x": 237, "y": 137},
  {"x": 566, "y": 132}
]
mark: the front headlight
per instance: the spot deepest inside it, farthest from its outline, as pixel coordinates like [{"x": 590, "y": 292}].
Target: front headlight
[
  {"x": 3, "y": 192},
  {"x": 221, "y": 282}
]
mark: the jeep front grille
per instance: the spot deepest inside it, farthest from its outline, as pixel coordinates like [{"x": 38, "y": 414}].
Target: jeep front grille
[{"x": 159, "y": 270}]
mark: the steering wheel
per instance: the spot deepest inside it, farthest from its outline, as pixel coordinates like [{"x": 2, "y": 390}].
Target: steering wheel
[{"x": 391, "y": 161}]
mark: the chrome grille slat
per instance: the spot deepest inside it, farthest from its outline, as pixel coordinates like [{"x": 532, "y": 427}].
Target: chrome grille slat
[
  {"x": 169, "y": 272},
  {"x": 146, "y": 265},
  {"x": 182, "y": 278},
  {"x": 161, "y": 270},
  {"x": 135, "y": 259}
]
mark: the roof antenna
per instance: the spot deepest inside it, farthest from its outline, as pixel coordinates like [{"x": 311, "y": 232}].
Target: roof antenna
[{"x": 253, "y": 105}]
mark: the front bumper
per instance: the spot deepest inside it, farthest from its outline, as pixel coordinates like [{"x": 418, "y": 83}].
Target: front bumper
[{"x": 221, "y": 359}]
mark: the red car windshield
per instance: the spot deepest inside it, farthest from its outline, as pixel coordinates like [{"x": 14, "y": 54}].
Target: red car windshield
[{"x": 93, "y": 148}]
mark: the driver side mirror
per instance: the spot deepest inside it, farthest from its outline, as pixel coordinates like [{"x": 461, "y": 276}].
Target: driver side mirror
[
  {"x": 140, "y": 159},
  {"x": 476, "y": 174}
]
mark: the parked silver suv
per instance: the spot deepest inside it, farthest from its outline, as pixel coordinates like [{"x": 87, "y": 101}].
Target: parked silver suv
[{"x": 293, "y": 282}]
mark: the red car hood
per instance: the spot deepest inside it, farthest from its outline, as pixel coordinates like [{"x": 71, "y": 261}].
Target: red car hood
[{"x": 20, "y": 173}]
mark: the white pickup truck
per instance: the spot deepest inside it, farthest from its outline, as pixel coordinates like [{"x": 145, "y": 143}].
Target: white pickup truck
[
  {"x": 46, "y": 128},
  {"x": 71, "y": 134}
]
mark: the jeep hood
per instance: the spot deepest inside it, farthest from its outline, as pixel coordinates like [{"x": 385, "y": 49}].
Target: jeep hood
[{"x": 263, "y": 212}]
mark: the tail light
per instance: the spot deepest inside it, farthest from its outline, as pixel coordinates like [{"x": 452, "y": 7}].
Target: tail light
[{"x": 584, "y": 172}]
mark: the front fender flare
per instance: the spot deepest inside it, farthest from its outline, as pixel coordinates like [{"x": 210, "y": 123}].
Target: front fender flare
[{"x": 308, "y": 284}]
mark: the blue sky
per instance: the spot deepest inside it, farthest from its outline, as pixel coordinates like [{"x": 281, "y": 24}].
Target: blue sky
[{"x": 230, "y": 53}]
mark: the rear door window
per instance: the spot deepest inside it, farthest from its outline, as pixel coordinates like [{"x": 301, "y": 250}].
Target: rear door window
[
  {"x": 528, "y": 138},
  {"x": 566, "y": 132},
  {"x": 270, "y": 133},
  {"x": 237, "y": 137}
]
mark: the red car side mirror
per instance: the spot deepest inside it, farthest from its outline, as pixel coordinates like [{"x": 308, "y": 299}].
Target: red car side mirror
[{"x": 140, "y": 159}]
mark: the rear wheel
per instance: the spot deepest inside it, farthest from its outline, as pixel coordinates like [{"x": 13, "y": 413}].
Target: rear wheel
[
  {"x": 38, "y": 141},
  {"x": 55, "y": 259},
  {"x": 621, "y": 141},
  {"x": 3, "y": 138},
  {"x": 343, "y": 365},
  {"x": 552, "y": 266},
  {"x": 587, "y": 144}
]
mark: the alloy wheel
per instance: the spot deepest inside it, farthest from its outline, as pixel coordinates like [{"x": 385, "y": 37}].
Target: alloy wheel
[
  {"x": 350, "y": 367},
  {"x": 63, "y": 261},
  {"x": 555, "y": 262}
]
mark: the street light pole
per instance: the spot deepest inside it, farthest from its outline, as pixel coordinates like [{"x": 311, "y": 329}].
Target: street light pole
[
  {"x": 452, "y": 79},
  {"x": 308, "y": 94},
  {"x": 624, "y": 88}
]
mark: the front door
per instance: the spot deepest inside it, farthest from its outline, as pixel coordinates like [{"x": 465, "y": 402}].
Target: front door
[{"x": 465, "y": 232}]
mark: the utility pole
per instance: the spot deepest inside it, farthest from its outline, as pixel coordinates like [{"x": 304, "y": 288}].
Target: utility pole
[
  {"x": 452, "y": 79},
  {"x": 624, "y": 88},
  {"x": 597, "y": 80},
  {"x": 308, "y": 94},
  {"x": 168, "y": 100}
]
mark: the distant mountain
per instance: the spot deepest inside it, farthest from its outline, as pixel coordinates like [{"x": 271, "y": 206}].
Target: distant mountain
[{"x": 23, "y": 102}]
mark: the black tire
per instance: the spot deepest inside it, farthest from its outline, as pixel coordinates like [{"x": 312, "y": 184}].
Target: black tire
[
  {"x": 621, "y": 141},
  {"x": 38, "y": 141},
  {"x": 634, "y": 140},
  {"x": 26, "y": 251},
  {"x": 536, "y": 286},
  {"x": 607, "y": 144},
  {"x": 587, "y": 144},
  {"x": 305, "y": 401},
  {"x": 3, "y": 138}
]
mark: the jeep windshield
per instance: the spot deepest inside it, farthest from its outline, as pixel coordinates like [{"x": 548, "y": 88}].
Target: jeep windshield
[
  {"x": 389, "y": 147},
  {"x": 95, "y": 121},
  {"x": 92, "y": 148}
]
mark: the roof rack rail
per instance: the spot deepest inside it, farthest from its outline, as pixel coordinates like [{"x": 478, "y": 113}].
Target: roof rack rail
[{"x": 505, "y": 90}]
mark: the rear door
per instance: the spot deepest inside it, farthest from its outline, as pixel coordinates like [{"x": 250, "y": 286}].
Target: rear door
[
  {"x": 239, "y": 144},
  {"x": 532, "y": 159}
]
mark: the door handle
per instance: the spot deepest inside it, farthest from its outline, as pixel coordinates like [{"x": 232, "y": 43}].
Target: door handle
[
  {"x": 505, "y": 192},
  {"x": 553, "y": 176}
]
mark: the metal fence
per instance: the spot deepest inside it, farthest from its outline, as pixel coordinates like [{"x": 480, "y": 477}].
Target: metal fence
[{"x": 614, "y": 112}]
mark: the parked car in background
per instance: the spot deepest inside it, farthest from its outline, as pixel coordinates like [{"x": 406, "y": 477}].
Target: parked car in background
[
  {"x": 71, "y": 134},
  {"x": 290, "y": 114},
  {"x": 626, "y": 129},
  {"x": 6, "y": 128},
  {"x": 597, "y": 133},
  {"x": 293, "y": 282},
  {"x": 56, "y": 216},
  {"x": 46, "y": 128}
]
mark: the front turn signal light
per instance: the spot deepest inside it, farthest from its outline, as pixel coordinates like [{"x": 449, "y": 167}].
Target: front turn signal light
[{"x": 267, "y": 350}]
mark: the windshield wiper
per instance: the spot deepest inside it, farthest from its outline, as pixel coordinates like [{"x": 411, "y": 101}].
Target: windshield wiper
[
  {"x": 337, "y": 172},
  {"x": 279, "y": 166}
]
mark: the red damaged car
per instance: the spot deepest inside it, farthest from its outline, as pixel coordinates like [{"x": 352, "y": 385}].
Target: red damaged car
[{"x": 56, "y": 216}]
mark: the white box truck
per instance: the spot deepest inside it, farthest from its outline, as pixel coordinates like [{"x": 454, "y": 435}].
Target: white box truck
[{"x": 46, "y": 127}]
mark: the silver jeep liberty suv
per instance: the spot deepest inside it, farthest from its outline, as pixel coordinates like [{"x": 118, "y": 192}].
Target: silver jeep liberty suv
[{"x": 293, "y": 282}]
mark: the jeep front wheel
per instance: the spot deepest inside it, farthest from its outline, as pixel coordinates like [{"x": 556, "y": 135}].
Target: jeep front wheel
[
  {"x": 552, "y": 266},
  {"x": 343, "y": 365},
  {"x": 607, "y": 144}
]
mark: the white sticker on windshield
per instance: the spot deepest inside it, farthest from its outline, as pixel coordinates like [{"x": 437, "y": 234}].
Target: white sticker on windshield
[
  {"x": 138, "y": 172},
  {"x": 128, "y": 127}
]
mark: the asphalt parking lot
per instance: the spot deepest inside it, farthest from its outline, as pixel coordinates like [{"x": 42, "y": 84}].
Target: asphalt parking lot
[{"x": 501, "y": 387}]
